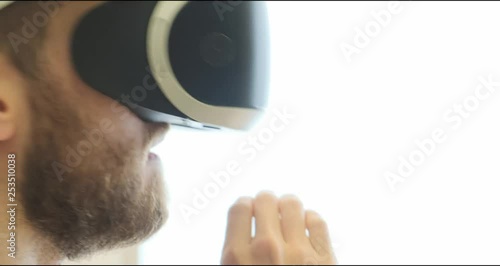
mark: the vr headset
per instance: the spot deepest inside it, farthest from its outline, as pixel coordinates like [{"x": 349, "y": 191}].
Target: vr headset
[{"x": 203, "y": 65}]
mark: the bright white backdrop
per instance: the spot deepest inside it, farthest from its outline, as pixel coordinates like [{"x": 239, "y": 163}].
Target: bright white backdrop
[{"x": 352, "y": 121}]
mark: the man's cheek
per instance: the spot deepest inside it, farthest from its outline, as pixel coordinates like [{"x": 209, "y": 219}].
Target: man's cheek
[
  {"x": 126, "y": 132},
  {"x": 106, "y": 126}
]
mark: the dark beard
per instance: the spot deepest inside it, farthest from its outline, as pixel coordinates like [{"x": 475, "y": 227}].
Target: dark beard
[{"x": 103, "y": 203}]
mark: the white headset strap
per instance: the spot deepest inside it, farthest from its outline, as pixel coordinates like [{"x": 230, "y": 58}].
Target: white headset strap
[{"x": 3, "y": 4}]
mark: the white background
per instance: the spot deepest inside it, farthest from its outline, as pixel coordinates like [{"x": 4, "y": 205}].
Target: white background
[{"x": 353, "y": 120}]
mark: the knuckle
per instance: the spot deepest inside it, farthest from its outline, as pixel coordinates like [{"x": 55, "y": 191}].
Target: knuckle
[
  {"x": 231, "y": 255},
  {"x": 318, "y": 222},
  {"x": 291, "y": 201},
  {"x": 321, "y": 246},
  {"x": 241, "y": 206},
  {"x": 266, "y": 195},
  {"x": 312, "y": 261},
  {"x": 298, "y": 253},
  {"x": 266, "y": 246},
  {"x": 314, "y": 220}
]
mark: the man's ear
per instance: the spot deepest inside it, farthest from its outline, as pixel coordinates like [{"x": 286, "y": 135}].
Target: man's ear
[
  {"x": 7, "y": 119},
  {"x": 11, "y": 92}
]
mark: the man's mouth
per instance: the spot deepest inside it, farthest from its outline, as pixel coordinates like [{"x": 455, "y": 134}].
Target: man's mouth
[
  {"x": 152, "y": 156},
  {"x": 155, "y": 142}
]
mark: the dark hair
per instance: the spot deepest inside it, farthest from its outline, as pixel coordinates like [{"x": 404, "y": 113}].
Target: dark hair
[{"x": 21, "y": 50}]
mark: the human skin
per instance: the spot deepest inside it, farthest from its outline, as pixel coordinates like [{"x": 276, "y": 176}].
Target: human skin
[
  {"x": 280, "y": 233},
  {"x": 113, "y": 196}
]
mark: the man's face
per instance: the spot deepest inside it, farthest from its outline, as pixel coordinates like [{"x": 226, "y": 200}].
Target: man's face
[{"x": 90, "y": 182}]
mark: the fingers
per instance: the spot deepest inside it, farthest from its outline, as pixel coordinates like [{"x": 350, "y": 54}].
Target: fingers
[
  {"x": 280, "y": 236},
  {"x": 318, "y": 233},
  {"x": 267, "y": 209},
  {"x": 267, "y": 220},
  {"x": 239, "y": 222},
  {"x": 293, "y": 224}
]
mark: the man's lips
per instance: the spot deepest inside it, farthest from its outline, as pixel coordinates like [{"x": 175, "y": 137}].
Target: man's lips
[
  {"x": 152, "y": 156},
  {"x": 155, "y": 142}
]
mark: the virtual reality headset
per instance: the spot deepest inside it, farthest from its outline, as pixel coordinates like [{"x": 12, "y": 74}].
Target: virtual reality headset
[{"x": 203, "y": 65}]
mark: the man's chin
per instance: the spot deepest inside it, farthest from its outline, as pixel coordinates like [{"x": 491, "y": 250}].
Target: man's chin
[{"x": 92, "y": 211}]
